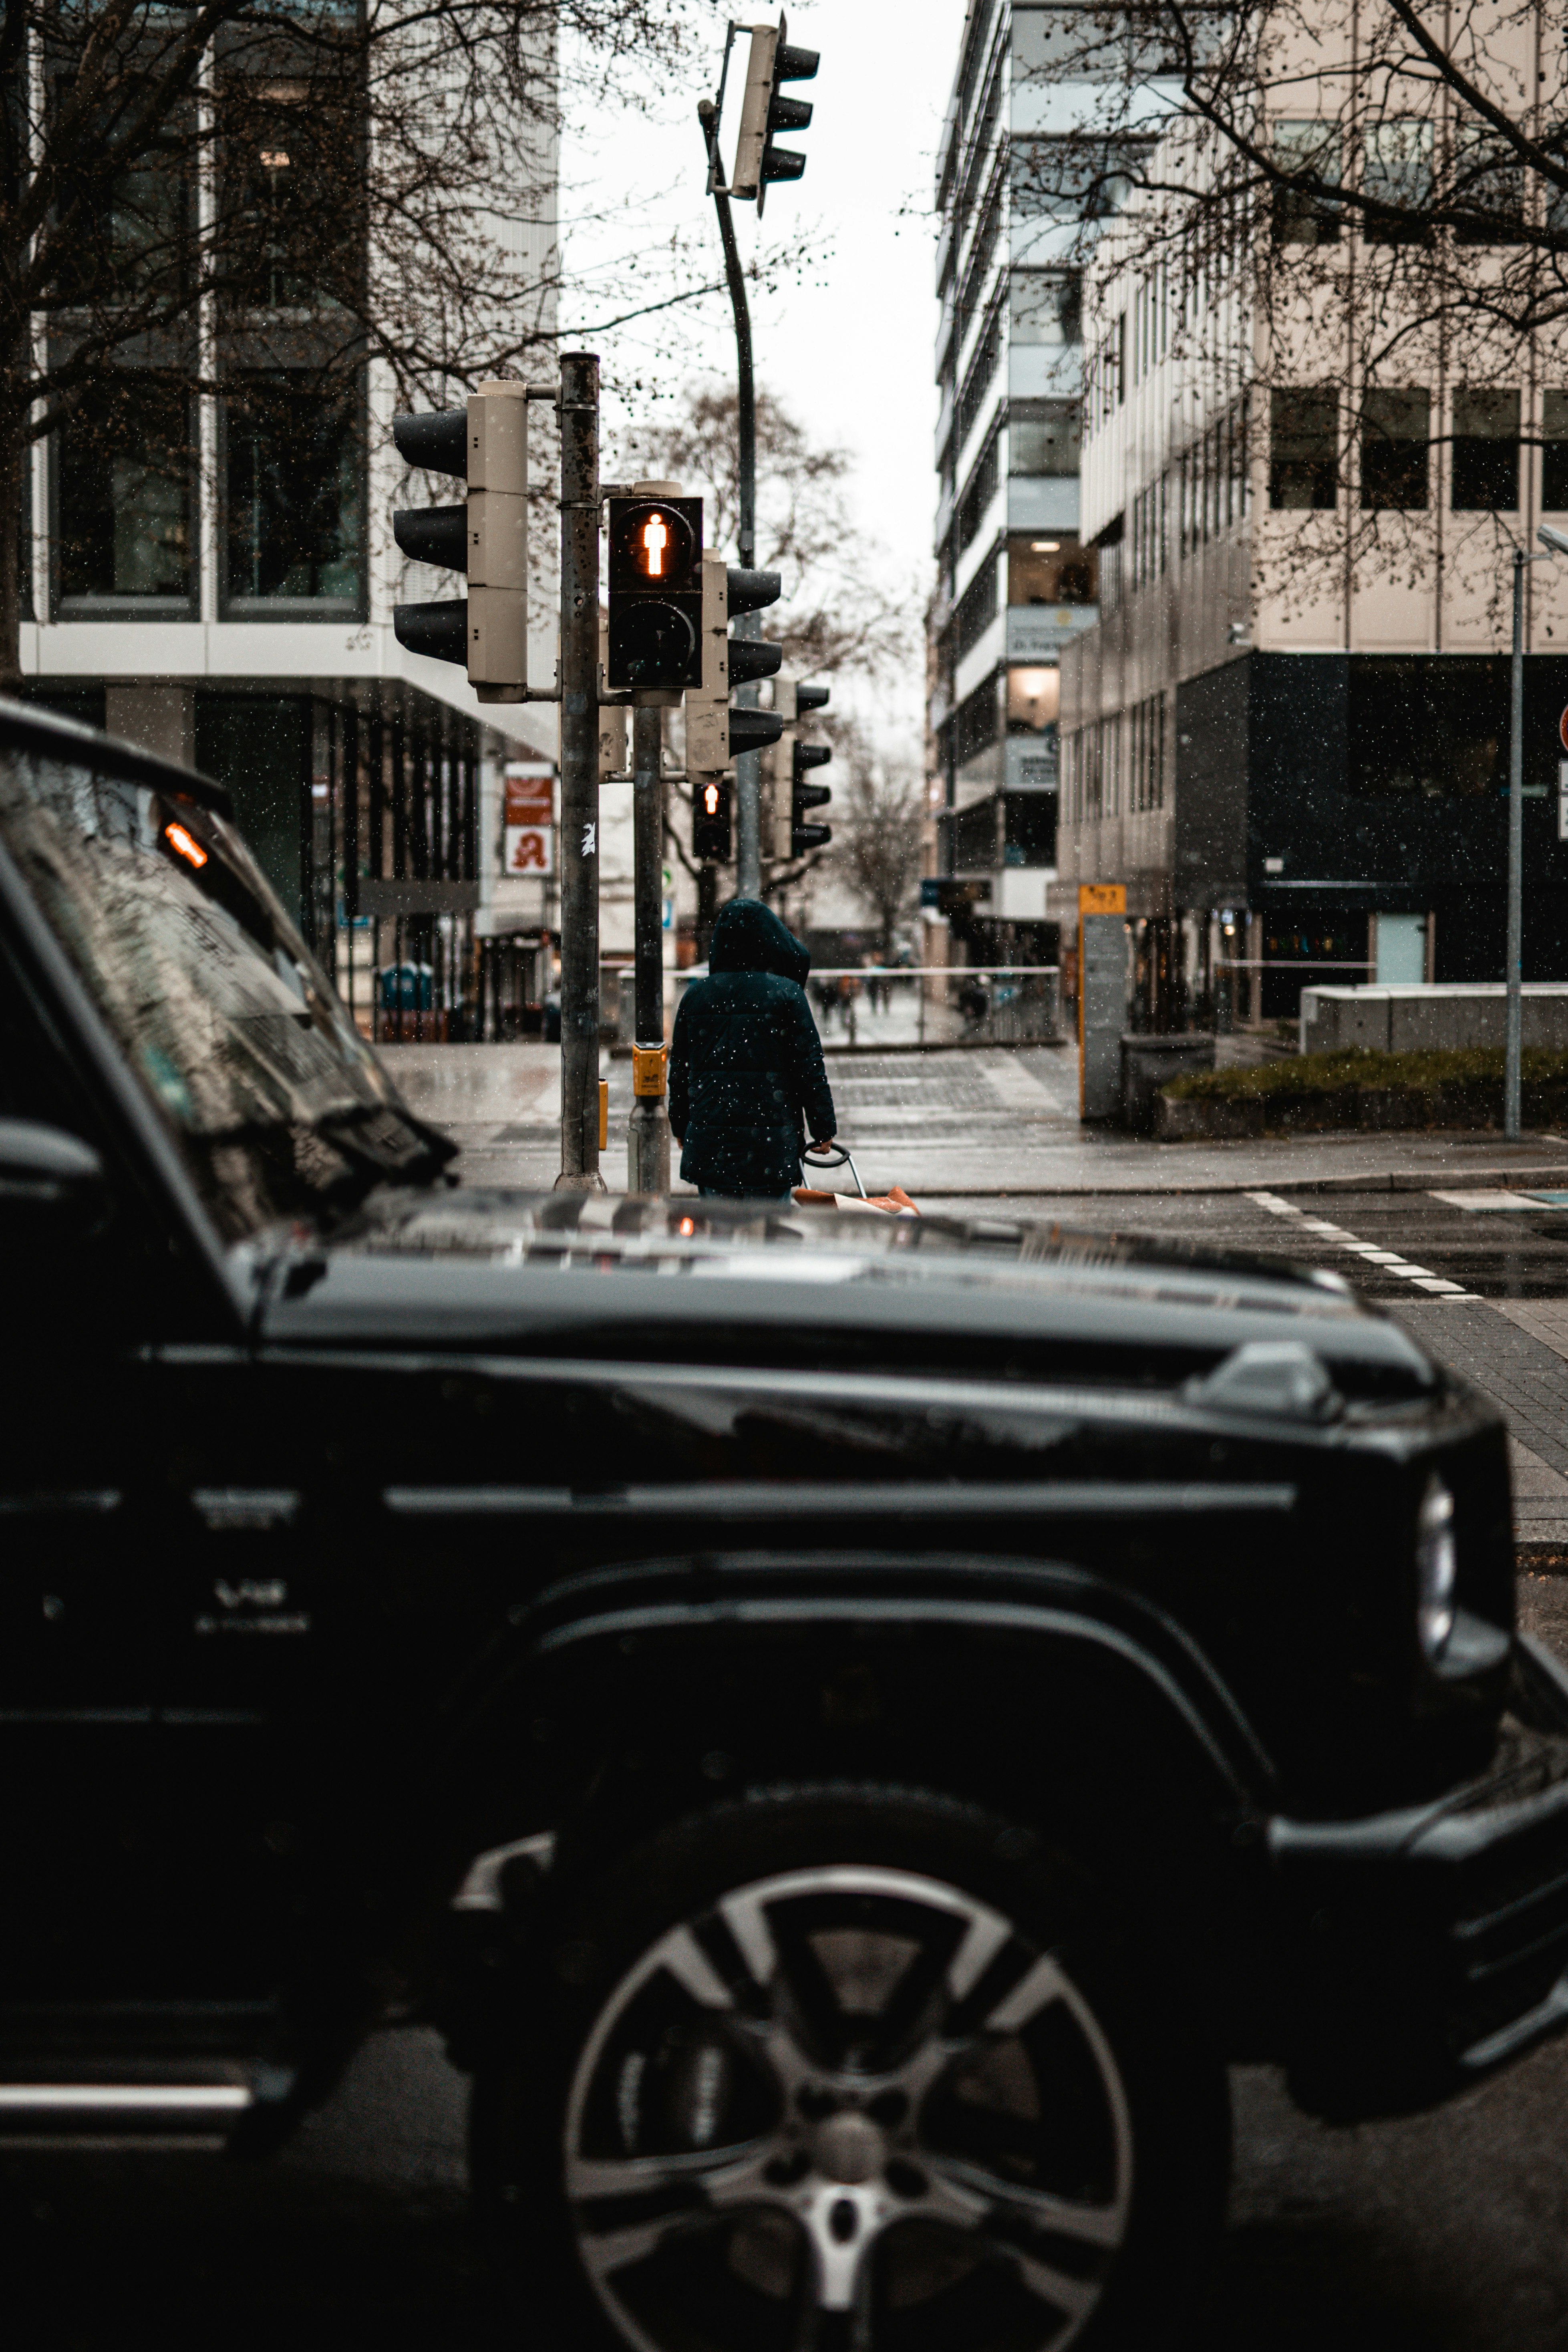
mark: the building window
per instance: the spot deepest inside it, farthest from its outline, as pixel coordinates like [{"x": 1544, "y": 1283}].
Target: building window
[
  {"x": 1395, "y": 431},
  {"x": 1109, "y": 549},
  {"x": 294, "y": 504},
  {"x": 975, "y": 838},
  {"x": 1111, "y": 766},
  {"x": 1045, "y": 307},
  {"x": 1303, "y": 448},
  {"x": 982, "y": 368},
  {"x": 133, "y": 233},
  {"x": 1044, "y": 438},
  {"x": 1301, "y": 216},
  {"x": 1146, "y": 754},
  {"x": 1077, "y": 176},
  {"x": 1102, "y": 392},
  {"x": 1397, "y": 171},
  {"x": 1034, "y": 701},
  {"x": 971, "y": 289},
  {"x": 1489, "y": 184},
  {"x": 1554, "y": 452},
  {"x": 976, "y": 610},
  {"x": 976, "y": 723},
  {"x": 981, "y": 489},
  {"x": 1029, "y": 836},
  {"x": 123, "y": 533},
  {"x": 1486, "y": 452},
  {"x": 1056, "y": 570},
  {"x": 1147, "y": 533},
  {"x": 292, "y": 188},
  {"x": 1428, "y": 728}
]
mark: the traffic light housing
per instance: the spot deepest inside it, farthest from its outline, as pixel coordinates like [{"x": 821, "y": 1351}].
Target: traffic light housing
[
  {"x": 804, "y": 835},
  {"x": 485, "y": 445},
  {"x": 711, "y": 820},
  {"x": 758, "y": 161},
  {"x": 656, "y": 574},
  {"x": 715, "y": 734}
]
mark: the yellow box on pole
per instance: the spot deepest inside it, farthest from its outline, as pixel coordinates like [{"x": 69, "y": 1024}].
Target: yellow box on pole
[
  {"x": 604, "y": 1112},
  {"x": 648, "y": 1068}
]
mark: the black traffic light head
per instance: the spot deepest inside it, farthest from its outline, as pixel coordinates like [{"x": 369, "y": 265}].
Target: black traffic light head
[
  {"x": 434, "y": 534},
  {"x": 711, "y": 842},
  {"x": 656, "y": 594},
  {"x": 803, "y": 796},
  {"x": 714, "y": 733},
  {"x": 812, "y": 698},
  {"x": 486, "y": 446},
  {"x": 763, "y": 111}
]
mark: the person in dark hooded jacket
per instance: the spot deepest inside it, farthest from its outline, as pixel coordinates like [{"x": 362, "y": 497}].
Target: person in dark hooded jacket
[{"x": 746, "y": 1079}]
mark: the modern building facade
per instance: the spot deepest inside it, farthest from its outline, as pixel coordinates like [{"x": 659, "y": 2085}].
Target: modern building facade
[
  {"x": 1015, "y": 578},
  {"x": 1287, "y": 733},
  {"x": 215, "y": 578}
]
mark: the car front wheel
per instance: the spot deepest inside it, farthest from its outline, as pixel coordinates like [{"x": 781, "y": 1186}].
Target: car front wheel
[{"x": 849, "y": 2067}]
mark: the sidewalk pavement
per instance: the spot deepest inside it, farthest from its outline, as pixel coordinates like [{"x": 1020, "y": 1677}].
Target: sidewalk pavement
[{"x": 950, "y": 1126}]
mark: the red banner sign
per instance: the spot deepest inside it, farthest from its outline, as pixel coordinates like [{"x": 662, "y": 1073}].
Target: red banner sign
[{"x": 528, "y": 819}]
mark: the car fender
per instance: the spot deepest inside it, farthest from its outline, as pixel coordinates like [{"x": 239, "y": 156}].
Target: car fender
[{"x": 727, "y": 1666}]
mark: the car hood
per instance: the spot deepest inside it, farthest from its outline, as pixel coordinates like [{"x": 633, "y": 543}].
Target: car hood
[{"x": 607, "y": 1279}]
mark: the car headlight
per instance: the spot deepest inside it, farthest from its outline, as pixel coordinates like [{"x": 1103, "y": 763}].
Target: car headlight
[{"x": 1436, "y": 1569}]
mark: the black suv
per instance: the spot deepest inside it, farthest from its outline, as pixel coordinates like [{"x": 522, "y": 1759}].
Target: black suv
[{"x": 846, "y": 1727}]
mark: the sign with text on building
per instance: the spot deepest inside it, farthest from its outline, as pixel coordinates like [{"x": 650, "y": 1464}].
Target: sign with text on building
[{"x": 528, "y": 819}]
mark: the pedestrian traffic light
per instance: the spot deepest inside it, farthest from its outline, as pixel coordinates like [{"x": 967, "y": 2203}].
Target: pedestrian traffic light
[
  {"x": 803, "y": 796},
  {"x": 484, "y": 444},
  {"x": 656, "y": 593},
  {"x": 758, "y": 162},
  {"x": 710, "y": 842},
  {"x": 716, "y": 735}
]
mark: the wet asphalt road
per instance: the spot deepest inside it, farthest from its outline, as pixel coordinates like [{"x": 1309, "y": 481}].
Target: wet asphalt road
[
  {"x": 1491, "y": 1251},
  {"x": 1445, "y": 2233}
]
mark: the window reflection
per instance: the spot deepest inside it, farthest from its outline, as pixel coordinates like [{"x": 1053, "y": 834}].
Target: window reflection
[
  {"x": 291, "y": 186},
  {"x": 294, "y": 496},
  {"x": 1052, "y": 569},
  {"x": 124, "y": 527}
]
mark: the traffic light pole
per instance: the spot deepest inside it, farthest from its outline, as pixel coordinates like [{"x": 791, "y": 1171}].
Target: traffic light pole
[
  {"x": 748, "y": 764},
  {"x": 580, "y": 774},
  {"x": 647, "y": 1135},
  {"x": 1513, "y": 1026}
]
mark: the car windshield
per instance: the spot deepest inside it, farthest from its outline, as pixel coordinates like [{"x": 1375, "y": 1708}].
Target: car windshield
[{"x": 279, "y": 1104}]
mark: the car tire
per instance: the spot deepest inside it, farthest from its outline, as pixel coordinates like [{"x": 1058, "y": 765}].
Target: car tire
[{"x": 849, "y": 2065}]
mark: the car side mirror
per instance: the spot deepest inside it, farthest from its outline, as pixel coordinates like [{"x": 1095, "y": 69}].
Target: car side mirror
[{"x": 50, "y": 1182}]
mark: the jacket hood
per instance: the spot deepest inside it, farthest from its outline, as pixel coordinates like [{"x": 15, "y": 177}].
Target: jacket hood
[{"x": 749, "y": 936}]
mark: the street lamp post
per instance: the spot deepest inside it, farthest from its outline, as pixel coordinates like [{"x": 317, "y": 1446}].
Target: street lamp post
[
  {"x": 1513, "y": 1026},
  {"x": 748, "y": 764}
]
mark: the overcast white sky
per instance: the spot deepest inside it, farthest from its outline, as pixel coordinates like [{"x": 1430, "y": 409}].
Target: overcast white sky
[{"x": 848, "y": 347}]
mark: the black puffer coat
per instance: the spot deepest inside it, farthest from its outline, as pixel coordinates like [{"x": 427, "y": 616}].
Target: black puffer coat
[{"x": 747, "y": 1088}]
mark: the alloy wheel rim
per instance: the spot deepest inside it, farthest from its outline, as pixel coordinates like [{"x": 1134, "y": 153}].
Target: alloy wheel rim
[{"x": 844, "y": 2105}]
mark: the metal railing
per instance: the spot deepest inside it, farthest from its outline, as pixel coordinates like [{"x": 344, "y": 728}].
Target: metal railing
[{"x": 1000, "y": 1004}]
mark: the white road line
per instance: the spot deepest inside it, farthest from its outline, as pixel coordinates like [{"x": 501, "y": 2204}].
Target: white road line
[{"x": 1437, "y": 1285}]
